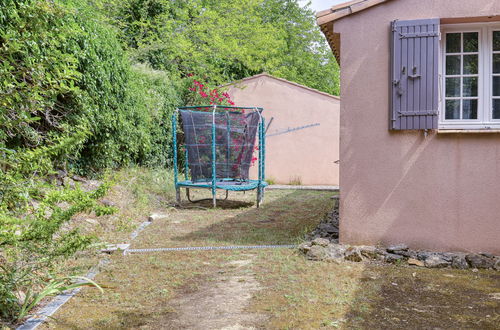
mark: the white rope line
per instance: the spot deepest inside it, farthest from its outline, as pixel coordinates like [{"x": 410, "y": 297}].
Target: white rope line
[{"x": 208, "y": 248}]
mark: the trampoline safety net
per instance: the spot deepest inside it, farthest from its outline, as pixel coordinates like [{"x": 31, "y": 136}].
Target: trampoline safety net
[{"x": 235, "y": 133}]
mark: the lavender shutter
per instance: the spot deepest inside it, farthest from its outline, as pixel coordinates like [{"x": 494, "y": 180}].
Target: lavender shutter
[{"x": 414, "y": 74}]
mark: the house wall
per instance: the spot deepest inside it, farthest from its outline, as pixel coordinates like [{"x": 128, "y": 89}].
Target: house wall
[
  {"x": 307, "y": 155},
  {"x": 437, "y": 192}
]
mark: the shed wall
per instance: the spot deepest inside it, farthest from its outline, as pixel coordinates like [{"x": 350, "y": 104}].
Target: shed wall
[
  {"x": 307, "y": 155},
  {"x": 437, "y": 192}
]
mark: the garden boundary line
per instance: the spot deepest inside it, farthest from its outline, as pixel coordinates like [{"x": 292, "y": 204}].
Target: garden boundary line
[
  {"x": 300, "y": 187},
  {"x": 209, "y": 248}
]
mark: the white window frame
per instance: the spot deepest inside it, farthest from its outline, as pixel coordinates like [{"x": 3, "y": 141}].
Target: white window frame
[{"x": 485, "y": 80}]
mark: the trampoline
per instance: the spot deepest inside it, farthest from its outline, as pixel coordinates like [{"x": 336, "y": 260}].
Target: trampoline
[{"x": 219, "y": 148}]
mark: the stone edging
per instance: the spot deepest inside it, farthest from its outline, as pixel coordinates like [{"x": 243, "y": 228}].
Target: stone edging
[{"x": 323, "y": 249}]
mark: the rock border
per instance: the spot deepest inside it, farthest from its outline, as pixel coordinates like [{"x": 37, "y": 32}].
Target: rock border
[{"x": 322, "y": 249}]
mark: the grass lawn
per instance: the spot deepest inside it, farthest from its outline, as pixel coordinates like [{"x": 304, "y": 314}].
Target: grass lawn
[{"x": 272, "y": 289}]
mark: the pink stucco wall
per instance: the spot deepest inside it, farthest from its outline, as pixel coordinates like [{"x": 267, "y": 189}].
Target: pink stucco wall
[
  {"x": 307, "y": 155},
  {"x": 437, "y": 192}
]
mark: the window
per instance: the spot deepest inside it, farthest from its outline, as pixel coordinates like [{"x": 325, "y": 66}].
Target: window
[{"x": 470, "y": 77}]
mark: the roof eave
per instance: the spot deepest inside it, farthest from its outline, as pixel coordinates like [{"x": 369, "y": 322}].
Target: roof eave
[{"x": 326, "y": 18}]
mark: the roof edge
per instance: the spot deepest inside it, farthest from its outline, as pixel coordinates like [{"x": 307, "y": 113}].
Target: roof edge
[
  {"x": 345, "y": 9},
  {"x": 267, "y": 75}
]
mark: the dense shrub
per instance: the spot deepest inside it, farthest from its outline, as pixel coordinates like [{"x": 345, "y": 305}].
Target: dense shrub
[
  {"x": 37, "y": 75},
  {"x": 63, "y": 65}
]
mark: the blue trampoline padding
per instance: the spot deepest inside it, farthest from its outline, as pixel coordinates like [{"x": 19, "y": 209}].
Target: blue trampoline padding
[{"x": 224, "y": 184}]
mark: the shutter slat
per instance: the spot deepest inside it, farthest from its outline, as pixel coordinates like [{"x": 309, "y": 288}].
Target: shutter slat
[
  {"x": 422, "y": 120},
  {"x": 404, "y": 81},
  {"x": 414, "y": 74}
]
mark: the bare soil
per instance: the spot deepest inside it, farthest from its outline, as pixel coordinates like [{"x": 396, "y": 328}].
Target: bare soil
[{"x": 219, "y": 303}]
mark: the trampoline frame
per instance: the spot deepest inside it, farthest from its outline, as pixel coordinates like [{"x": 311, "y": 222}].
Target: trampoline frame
[{"x": 227, "y": 184}]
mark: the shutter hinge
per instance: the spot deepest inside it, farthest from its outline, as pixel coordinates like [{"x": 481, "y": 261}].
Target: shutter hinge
[
  {"x": 418, "y": 35},
  {"x": 417, "y": 113}
]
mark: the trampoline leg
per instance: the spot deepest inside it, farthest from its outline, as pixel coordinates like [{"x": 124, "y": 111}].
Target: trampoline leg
[
  {"x": 258, "y": 197},
  {"x": 178, "y": 196},
  {"x": 214, "y": 200}
]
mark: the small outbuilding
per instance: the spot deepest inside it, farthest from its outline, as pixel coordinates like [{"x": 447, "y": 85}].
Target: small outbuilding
[
  {"x": 420, "y": 122},
  {"x": 302, "y": 140}
]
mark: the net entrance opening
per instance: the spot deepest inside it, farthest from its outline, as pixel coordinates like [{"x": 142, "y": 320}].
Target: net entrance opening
[{"x": 228, "y": 132}]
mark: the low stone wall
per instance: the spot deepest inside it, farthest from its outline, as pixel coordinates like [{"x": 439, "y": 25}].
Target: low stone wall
[
  {"x": 324, "y": 249},
  {"x": 324, "y": 239}
]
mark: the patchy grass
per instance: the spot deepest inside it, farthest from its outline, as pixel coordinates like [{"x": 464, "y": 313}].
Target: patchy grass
[
  {"x": 301, "y": 294},
  {"x": 284, "y": 219},
  {"x": 148, "y": 291},
  {"x": 140, "y": 287}
]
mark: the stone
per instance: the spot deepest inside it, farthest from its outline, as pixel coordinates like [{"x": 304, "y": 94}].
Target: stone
[
  {"x": 21, "y": 297},
  {"x": 61, "y": 174},
  {"x": 489, "y": 255},
  {"x": 353, "y": 254},
  {"x": 92, "y": 221},
  {"x": 317, "y": 252},
  {"x": 68, "y": 182},
  {"x": 157, "y": 216},
  {"x": 336, "y": 251},
  {"x": 422, "y": 255},
  {"x": 416, "y": 262},
  {"x": 321, "y": 242},
  {"x": 304, "y": 247},
  {"x": 459, "y": 262},
  {"x": 436, "y": 261},
  {"x": 79, "y": 178},
  {"x": 369, "y": 252},
  {"x": 393, "y": 258},
  {"x": 446, "y": 256},
  {"x": 328, "y": 228},
  {"x": 406, "y": 253},
  {"x": 397, "y": 248},
  {"x": 496, "y": 266},
  {"x": 480, "y": 261},
  {"x": 107, "y": 202}
]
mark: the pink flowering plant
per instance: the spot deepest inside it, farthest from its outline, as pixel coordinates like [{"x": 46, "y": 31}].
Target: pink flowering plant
[{"x": 200, "y": 93}]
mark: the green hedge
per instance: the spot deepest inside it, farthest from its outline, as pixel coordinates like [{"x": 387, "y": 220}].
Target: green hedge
[{"x": 62, "y": 67}]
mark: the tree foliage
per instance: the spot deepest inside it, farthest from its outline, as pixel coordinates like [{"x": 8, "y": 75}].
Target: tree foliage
[{"x": 227, "y": 40}]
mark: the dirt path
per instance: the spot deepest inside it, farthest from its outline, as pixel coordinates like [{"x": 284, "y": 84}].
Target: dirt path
[{"x": 220, "y": 303}]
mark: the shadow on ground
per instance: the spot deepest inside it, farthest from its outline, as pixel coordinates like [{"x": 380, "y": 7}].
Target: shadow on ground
[
  {"x": 409, "y": 297},
  {"x": 282, "y": 220}
]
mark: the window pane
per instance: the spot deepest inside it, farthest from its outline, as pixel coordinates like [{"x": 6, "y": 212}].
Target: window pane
[
  {"x": 496, "y": 86},
  {"x": 453, "y": 42},
  {"x": 469, "y": 87},
  {"x": 469, "y": 109},
  {"x": 452, "y": 64},
  {"x": 453, "y": 87},
  {"x": 452, "y": 109},
  {"x": 496, "y": 40},
  {"x": 496, "y": 63},
  {"x": 470, "y": 42},
  {"x": 470, "y": 64},
  {"x": 496, "y": 109}
]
